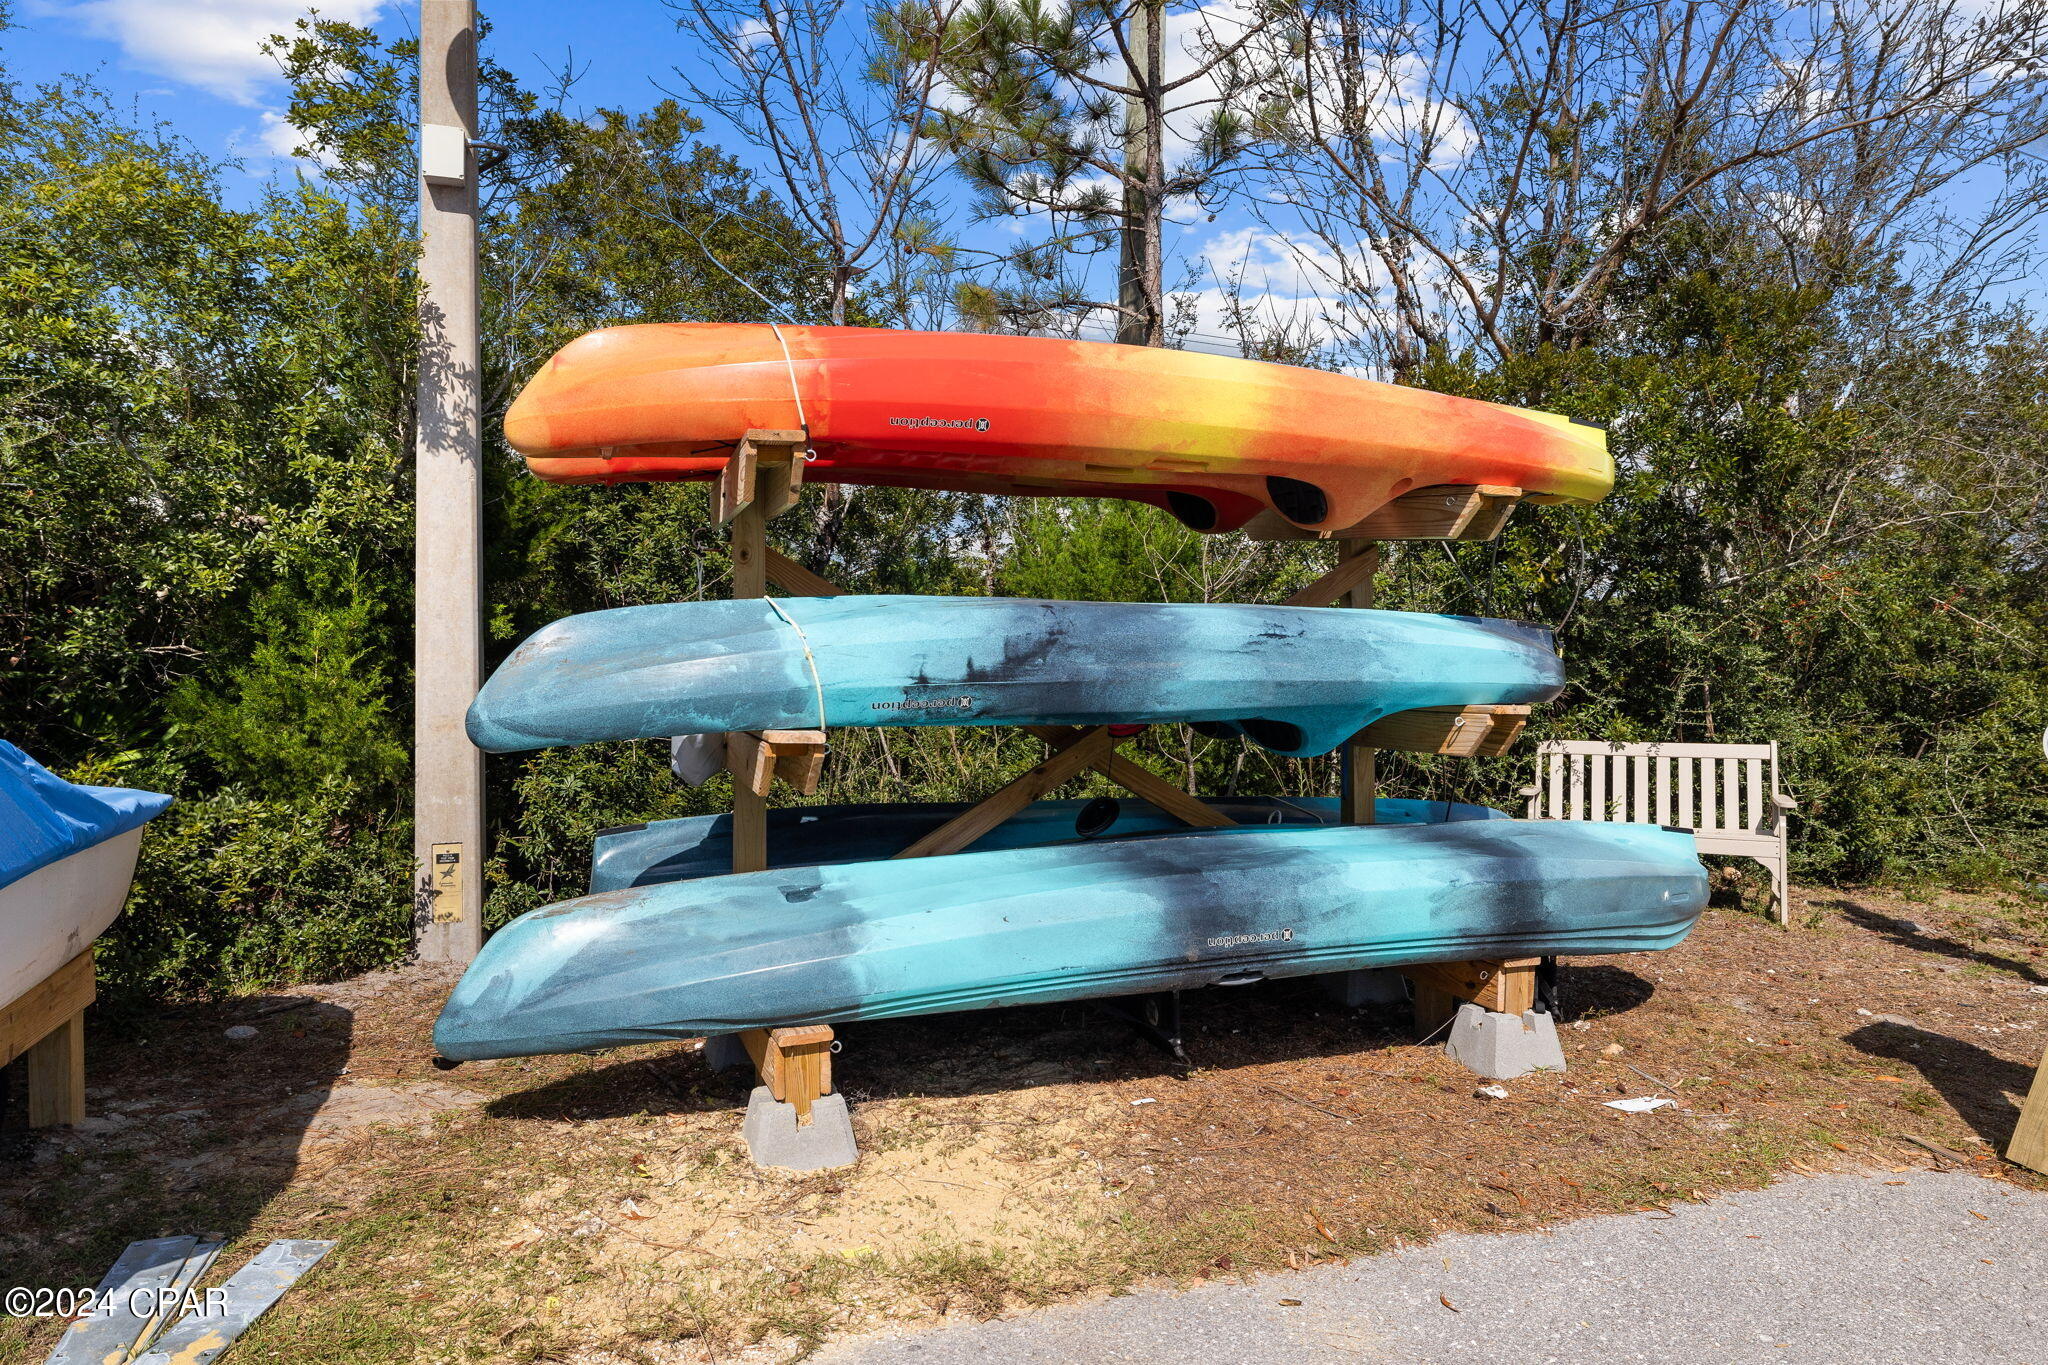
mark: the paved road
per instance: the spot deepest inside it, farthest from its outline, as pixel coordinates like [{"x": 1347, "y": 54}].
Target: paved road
[{"x": 1832, "y": 1268}]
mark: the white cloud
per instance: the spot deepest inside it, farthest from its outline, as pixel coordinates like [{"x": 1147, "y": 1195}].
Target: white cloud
[
  {"x": 216, "y": 45},
  {"x": 1268, "y": 262},
  {"x": 273, "y": 140},
  {"x": 278, "y": 138},
  {"x": 1221, "y": 316}
]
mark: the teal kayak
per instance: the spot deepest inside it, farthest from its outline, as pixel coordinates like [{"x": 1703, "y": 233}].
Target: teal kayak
[
  {"x": 1077, "y": 921},
  {"x": 1297, "y": 680},
  {"x": 800, "y": 836}
]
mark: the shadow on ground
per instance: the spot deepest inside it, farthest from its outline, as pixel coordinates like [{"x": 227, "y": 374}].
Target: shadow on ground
[
  {"x": 190, "y": 1133},
  {"x": 1975, "y": 1082},
  {"x": 1911, "y": 934},
  {"x": 1008, "y": 1050}
]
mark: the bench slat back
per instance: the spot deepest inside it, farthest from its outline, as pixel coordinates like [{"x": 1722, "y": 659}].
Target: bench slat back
[{"x": 1711, "y": 789}]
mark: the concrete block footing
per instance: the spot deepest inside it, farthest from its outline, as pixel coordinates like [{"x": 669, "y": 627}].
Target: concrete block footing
[
  {"x": 725, "y": 1052},
  {"x": 774, "y": 1139},
  {"x": 1357, "y": 990},
  {"x": 1503, "y": 1046}
]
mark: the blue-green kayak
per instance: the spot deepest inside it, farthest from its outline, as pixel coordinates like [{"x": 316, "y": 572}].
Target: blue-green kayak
[
  {"x": 803, "y": 836},
  {"x": 1298, "y": 680},
  {"x": 1077, "y": 921}
]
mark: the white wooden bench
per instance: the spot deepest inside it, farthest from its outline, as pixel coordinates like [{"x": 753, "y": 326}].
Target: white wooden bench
[{"x": 1726, "y": 794}]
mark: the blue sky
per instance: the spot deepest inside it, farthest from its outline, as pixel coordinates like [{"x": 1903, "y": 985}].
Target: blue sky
[{"x": 197, "y": 65}]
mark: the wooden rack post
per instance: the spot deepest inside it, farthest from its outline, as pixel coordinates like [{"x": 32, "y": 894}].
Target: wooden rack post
[
  {"x": 1358, "y": 794},
  {"x": 761, "y": 481},
  {"x": 46, "y": 1025},
  {"x": 2029, "y": 1145},
  {"x": 1471, "y": 731}
]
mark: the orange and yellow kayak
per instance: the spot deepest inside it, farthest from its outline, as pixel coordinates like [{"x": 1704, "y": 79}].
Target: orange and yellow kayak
[{"x": 1212, "y": 439}]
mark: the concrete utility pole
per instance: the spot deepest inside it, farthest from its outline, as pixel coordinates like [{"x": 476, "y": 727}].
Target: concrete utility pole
[{"x": 448, "y": 771}]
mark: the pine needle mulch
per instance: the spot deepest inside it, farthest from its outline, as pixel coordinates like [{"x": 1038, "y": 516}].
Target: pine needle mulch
[{"x": 602, "y": 1209}]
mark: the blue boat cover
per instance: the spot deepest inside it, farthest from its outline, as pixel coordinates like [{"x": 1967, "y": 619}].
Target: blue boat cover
[{"x": 44, "y": 818}]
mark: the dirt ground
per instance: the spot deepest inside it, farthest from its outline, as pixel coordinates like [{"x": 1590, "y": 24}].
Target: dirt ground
[{"x": 602, "y": 1209}]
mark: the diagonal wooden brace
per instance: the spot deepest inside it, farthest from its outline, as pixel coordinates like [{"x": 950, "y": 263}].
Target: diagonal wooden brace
[
  {"x": 1074, "y": 752},
  {"x": 1142, "y": 783},
  {"x": 792, "y": 577},
  {"x": 1352, "y": 571}
]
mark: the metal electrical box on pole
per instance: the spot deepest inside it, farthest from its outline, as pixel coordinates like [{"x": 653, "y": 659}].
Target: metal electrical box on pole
[{"x": 448, "y": 771}]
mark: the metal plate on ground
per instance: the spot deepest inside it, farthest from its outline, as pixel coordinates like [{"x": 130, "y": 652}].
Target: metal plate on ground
[
  {"x": 171, "y": 1304},
  {"x": 114, "y": 1328},
  {"x": 201, "y": 1335}
]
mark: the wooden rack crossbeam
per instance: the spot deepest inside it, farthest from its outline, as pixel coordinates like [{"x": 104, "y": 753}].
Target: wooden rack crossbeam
[
  {"x": 766, "y": 472},
  {"x": 1465, "y": 731},
  {"x": 1440, "y": 512},
  {"x": 757, "y": 757}
]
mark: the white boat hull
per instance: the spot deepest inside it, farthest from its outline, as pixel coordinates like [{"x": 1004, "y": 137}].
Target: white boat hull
[{"x": 54, "y": 913}]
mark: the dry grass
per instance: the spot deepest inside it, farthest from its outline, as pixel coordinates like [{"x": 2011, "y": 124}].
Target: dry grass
[{"x": 602, "y": 1209}]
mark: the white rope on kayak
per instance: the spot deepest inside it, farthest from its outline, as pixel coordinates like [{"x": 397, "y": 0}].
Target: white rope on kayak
[
  {"x": 810, "y": 661},
  {"x": 789, "y": 364}
]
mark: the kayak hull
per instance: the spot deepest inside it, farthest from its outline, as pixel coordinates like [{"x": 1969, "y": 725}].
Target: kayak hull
[
  {"x": 1205, "y": 437},
  {"x": 801, "y": 836},
  {"x": 1298, "y": 680},
  {"x": 889, "y": 939}
]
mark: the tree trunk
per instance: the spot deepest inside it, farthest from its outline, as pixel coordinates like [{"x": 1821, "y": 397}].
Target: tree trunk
[
  {"x": 842, "y": 285},
  {"x": 1141, "y": 321}
]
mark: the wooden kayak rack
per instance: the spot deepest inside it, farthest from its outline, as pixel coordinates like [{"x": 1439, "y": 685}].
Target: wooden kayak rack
[{"x": 764, "y": 478}]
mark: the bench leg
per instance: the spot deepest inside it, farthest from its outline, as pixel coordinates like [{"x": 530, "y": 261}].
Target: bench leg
[{"x": 56, "y": 1076}]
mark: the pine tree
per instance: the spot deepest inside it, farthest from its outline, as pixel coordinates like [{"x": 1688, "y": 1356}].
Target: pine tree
[{"x": 1099, "y": 117}]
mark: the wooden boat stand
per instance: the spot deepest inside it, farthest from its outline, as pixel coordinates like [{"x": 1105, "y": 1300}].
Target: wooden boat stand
[
  {"x": 46, "y": 1025},
  {"x": 764, "y": 478}
]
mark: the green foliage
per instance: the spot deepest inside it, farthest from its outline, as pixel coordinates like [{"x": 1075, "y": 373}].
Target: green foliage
[
  {"x": 235, "y": 892},
  {"x": 205, "y": 484},
  {"x": 1813, "y": 540},
  {"x": 308, "y": 710}
]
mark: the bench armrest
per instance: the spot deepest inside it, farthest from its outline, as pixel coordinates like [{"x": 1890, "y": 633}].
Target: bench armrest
[
  {"x": 1783, "y": 802},
  {"x": 1530, "y": 790}
]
